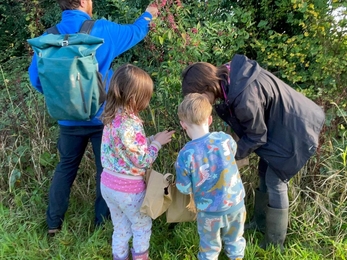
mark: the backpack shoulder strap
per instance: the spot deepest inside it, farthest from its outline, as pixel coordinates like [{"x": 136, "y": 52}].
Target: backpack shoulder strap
[
  {"x": 53, "y": 30},
  {"x": 87, "y": 26}
]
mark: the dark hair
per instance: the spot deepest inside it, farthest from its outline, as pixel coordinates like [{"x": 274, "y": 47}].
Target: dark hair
[
  {"x": 69, "y": 4},
  {"x": 202, "y": 77},
  {"x": 130, "y": 88}
]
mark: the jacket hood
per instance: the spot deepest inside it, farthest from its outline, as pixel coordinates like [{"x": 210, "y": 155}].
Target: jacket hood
[{"x": 243, "y": 71}]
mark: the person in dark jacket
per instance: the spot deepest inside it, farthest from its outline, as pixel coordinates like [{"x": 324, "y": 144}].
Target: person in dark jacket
[
  {"x": 273, "y": 120},
  {"x": 75, "y": 135}
]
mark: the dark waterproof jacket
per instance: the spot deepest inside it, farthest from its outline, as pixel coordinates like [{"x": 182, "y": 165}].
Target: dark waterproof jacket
[{"x": 278, "y": 123}]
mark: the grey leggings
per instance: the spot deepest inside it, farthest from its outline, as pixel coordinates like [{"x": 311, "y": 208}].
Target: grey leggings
[{"x": 277, "y": 189}]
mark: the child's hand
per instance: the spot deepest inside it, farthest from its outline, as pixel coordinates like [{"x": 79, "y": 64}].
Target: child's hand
[{"x": 164, "y": 137}]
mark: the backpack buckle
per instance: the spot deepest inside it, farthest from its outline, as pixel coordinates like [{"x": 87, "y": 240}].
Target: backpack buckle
[{"x": 65, "y": 42}]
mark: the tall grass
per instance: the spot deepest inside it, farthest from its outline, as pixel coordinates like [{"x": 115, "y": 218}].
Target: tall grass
[{"x": 318, "y": 206}]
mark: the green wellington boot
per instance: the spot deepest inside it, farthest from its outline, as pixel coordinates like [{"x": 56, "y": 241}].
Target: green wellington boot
[
  {"x": 260, "y": 204},
  {"x": 276, "y": 228}
]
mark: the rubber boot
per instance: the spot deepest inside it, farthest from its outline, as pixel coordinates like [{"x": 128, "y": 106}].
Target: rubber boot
[
  {"x": 276, "y": 228},
  {"x": 123, "y": 258},
  {"x": 258, "y": 221},
  {"x": 140, "y": 256},
  {"x": 117, "y": 258}
]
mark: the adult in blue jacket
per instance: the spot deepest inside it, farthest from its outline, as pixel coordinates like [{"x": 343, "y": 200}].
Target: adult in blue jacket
[
  {"x": 75, "y": 135},
  {"x": 273, "y": 120}
]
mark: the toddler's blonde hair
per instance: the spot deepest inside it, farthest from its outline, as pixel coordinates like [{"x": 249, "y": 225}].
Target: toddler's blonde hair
[{"x": 194, "y": 109}]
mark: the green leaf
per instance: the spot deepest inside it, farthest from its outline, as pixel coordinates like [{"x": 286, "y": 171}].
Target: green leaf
[
  {"x": 14, "y": 178},
  {"x": 262, "y": 24},
  {"x": 161, "y": 40},
  {"x": 47, "y": 159}
]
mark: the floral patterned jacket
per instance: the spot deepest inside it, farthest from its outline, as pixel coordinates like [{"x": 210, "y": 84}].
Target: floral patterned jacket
[{"x": 125, "y": 148}]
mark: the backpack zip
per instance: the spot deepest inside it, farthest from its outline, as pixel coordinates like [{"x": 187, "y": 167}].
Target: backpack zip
[{"x": 81, "y": 89}]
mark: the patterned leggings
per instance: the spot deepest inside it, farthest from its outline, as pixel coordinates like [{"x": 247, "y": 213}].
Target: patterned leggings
[
  {"x": 215, "y": 230},
  {"x": 127, "y": 221}
]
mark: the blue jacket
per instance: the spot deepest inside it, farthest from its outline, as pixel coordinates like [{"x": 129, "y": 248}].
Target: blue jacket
[{"x": 117, "y": 39}]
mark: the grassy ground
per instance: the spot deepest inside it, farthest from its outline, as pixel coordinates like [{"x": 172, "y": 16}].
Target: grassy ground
[{"x": 312, "y": 234}]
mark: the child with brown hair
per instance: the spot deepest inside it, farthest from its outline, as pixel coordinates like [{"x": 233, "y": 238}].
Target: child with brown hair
[
  {"x": 126, "y": 154},
  {"x": 206, "y": 168}
]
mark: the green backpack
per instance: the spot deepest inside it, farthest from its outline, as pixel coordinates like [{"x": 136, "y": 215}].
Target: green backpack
[{"x": 68, "y": 71}]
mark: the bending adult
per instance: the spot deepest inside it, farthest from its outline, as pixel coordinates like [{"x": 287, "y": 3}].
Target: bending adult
[
  {"x": 75, "y": 135},
  {"x": 273, "y": 120}
]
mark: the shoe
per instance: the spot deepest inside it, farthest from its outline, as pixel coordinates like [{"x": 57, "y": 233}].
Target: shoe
[
  {"x": 124, "y": 258},
  {"x": 53, "y": 232},
  {"x": 140, "y": 256}
]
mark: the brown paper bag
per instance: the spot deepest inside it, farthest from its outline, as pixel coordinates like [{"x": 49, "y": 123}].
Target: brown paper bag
[
  {"x": 243, "y": 162},
  {"x": 177, "y": 211},
  {"x": 158, "y": 194}
]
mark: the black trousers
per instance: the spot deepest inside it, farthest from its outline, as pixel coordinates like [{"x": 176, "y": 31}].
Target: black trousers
[
  {"x": 72, "y": 144},
  {"x": 272, "y": 184}
]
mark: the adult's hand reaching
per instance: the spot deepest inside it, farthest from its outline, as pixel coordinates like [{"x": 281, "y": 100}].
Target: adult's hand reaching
[{"x": 153, "y": 10}]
